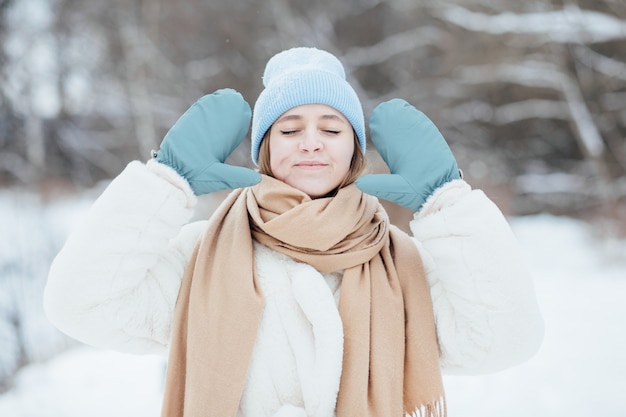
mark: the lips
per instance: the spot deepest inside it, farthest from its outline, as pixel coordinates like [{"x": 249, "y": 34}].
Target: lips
[{"x": 311, "y": 164}]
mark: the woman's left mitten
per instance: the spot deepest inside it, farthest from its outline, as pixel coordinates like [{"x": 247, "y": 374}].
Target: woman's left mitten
[{"x": 418, "y": 157}]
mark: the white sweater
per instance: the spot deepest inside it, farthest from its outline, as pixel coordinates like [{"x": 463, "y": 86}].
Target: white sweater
[{"x": 115, "y": 283}]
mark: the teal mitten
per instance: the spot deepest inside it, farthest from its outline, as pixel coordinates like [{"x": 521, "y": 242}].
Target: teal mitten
[
  {"x": 418, "y": 156},
  {"x": 203, "y": 137}
]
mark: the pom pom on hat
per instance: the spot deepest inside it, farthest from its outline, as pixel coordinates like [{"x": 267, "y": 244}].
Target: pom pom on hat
[
  {"x": 300, "y": 76},
  {"x": 301, "y": 59}
]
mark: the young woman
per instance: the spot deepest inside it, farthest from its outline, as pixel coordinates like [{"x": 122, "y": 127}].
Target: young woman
[{"x": 297, "y": 297}]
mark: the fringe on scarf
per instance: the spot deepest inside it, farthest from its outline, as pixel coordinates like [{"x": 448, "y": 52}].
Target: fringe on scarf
[{"x": 435, "y": 409}]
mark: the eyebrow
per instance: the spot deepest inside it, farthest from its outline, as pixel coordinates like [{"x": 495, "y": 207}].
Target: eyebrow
[{"x": 298, "y": 117}]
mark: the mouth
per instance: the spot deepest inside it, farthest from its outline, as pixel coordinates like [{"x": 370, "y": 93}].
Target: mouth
[{"x": 311, "y": 164}]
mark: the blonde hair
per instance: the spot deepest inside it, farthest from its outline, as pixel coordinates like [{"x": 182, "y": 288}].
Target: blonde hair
[{"x": 358, "y": 164}]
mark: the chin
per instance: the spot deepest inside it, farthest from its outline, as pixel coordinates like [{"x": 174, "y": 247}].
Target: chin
[
  {"x": 313, "y": 192},
  {"x": 315, "y": 188}
]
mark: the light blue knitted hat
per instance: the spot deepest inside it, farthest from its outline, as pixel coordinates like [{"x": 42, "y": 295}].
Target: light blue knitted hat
[{"x": 300, "y": 76}]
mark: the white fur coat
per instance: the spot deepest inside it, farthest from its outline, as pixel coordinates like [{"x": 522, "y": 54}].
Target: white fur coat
[{"x": 115, "y": 283}]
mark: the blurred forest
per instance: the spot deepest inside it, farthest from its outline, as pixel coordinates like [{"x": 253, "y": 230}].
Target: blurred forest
[{"x": 530, "y": 95}]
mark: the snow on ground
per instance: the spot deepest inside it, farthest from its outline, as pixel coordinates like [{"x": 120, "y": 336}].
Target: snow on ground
[
  {"x": 580, "y": 370},
  {"x": 86, "y": 382}
]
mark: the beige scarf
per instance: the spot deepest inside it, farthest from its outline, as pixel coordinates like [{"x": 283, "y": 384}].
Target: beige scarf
[{"x": 390, "y": 364}]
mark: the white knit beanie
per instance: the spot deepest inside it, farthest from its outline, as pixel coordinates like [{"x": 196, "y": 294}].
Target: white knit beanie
[{"x": 300, "y": 76}]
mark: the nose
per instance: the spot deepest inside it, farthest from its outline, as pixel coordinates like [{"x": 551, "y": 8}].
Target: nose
[{"x": 310, "y": 142}]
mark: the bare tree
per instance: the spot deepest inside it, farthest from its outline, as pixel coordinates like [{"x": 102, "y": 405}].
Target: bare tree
[{"x": 519, "y": 89}]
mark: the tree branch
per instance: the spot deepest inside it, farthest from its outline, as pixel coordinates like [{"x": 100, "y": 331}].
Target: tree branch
[
  {"x": 601, "y": 63},
  {"x": 569, "y": 25},
  {"x": 544, "y": 75},
  {"x": 392, "y": 45}
]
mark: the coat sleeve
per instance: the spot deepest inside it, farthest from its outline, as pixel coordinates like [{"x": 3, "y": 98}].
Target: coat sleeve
[
  {"x": 115, "y": 282},
  {"x": 484, "y": 302}
]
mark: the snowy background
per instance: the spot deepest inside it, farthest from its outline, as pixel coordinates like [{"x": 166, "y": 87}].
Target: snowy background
[
  {"x": 531, "y": 96},
  {"x": 580, "y": 371}
]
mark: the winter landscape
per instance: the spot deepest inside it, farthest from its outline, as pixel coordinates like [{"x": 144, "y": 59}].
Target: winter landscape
[
  {"x": 580, "y": 276},
  {"x": 530, "y": 95}
]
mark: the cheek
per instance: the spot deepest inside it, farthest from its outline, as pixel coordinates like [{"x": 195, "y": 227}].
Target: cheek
[
  {"x": 279, "y": 151},
  {"x": 346, "y": 153}
]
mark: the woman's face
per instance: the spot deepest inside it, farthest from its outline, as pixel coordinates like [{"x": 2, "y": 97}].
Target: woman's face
[{"x": 311, "y": 148}]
